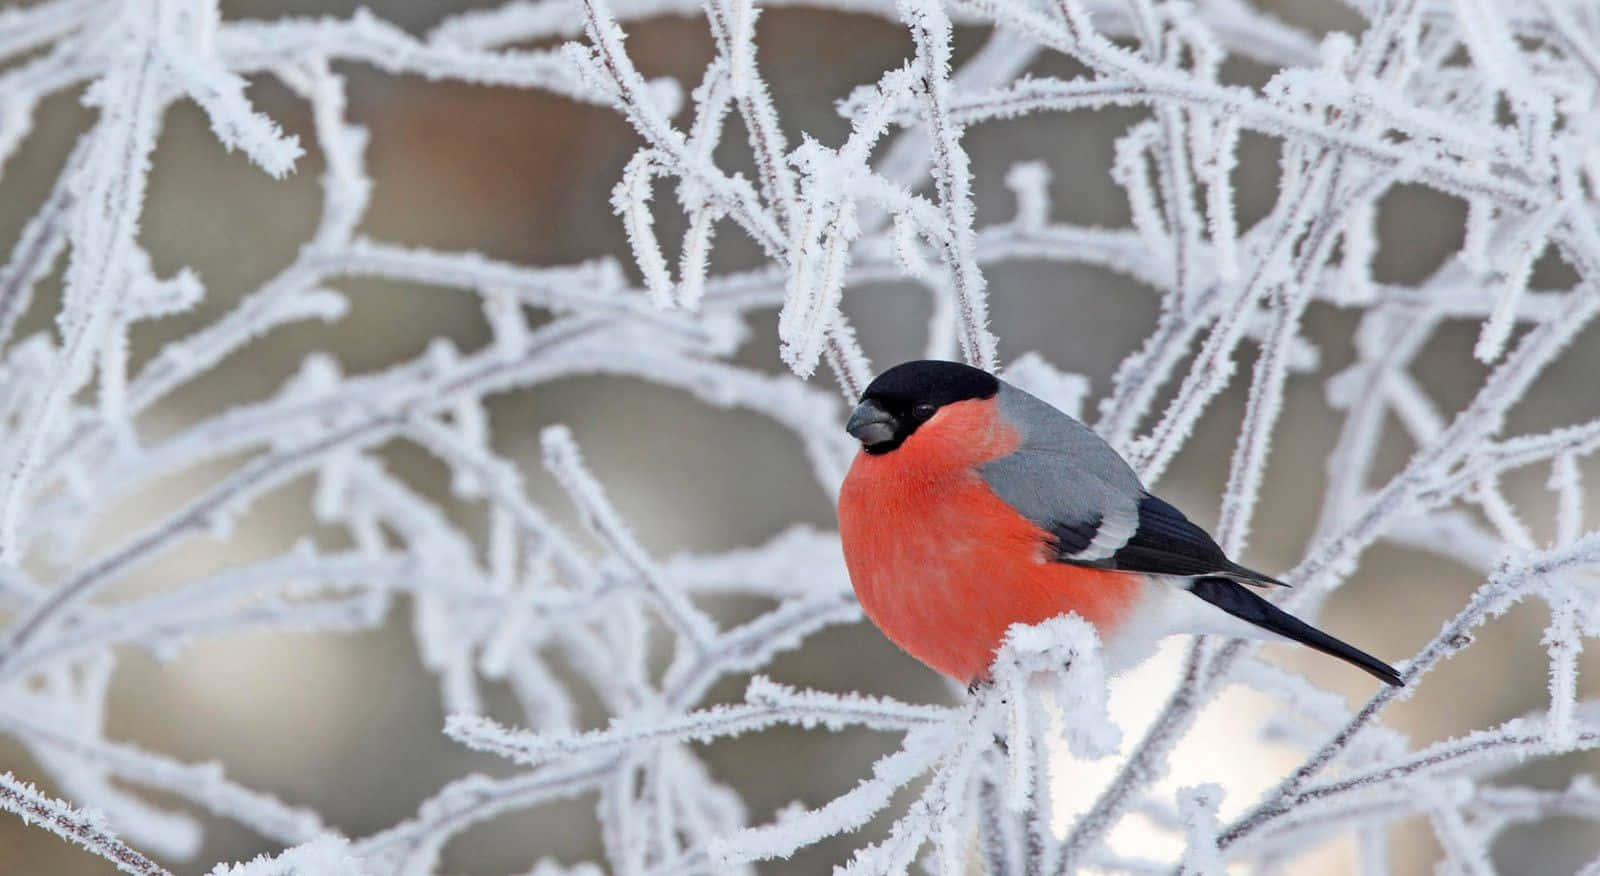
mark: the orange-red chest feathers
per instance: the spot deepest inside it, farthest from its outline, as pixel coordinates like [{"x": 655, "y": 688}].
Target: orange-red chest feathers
[{"x": 941, "y": 564}]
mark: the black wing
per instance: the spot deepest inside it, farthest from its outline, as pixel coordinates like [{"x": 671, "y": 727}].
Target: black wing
[
  {"x": 1166, "y": 543},
  {"x": 1075, "y": 537}
]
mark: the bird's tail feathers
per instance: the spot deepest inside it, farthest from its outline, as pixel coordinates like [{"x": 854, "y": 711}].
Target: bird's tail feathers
[
  {"x": 1239, "y": 601},
  {"x": 1242, "y": 575}
]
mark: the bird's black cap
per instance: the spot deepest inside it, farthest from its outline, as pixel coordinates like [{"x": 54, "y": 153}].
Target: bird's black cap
[
  {"x": 905, "y": 396},
  {"x": 933, "y": 382}
]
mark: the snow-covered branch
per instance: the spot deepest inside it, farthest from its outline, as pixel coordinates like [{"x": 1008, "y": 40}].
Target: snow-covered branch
[{"x": 614, "y": 653}]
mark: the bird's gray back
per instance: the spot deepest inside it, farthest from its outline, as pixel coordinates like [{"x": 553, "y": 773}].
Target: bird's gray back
[{"x": 1065, "y": 478}]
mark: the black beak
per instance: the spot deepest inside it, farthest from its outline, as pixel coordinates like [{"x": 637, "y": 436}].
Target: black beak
[{"x": 871, "y": 424}]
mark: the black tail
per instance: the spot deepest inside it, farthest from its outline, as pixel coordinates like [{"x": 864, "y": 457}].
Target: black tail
[{"x": 1239, "y": 601}]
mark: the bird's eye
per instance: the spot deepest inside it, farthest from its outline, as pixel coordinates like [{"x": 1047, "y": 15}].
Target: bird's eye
[{"x": 923, "y": 411}]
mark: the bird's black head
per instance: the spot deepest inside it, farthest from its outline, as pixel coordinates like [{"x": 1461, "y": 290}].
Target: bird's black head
[{"x": 908, "y": 395}]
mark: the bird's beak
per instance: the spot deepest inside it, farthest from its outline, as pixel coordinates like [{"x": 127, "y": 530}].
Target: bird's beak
[{"x": 871, "y": 424}]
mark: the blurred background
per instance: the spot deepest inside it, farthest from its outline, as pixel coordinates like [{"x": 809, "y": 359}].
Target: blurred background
[{"x": 350, "y": 724}]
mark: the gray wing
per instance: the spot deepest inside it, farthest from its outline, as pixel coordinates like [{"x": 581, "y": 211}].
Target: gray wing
[
  {"x": 1070, "y": 483},
  {"x": 1065, "y": 479}
]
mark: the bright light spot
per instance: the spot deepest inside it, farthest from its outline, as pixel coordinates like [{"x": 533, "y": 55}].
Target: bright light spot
[{"x": 1222, "y": 747}]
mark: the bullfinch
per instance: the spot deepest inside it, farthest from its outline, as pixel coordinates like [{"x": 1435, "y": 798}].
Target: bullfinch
[{"x": 973, "y": 505}]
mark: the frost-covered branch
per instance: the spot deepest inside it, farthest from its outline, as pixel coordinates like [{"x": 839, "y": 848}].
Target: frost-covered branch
[
  {"x": 86, "y": 829},
  {"x": 1489, "y": 104}
]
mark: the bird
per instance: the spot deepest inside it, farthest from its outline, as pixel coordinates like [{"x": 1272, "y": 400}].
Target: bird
[{"x": 972, "y": 505}]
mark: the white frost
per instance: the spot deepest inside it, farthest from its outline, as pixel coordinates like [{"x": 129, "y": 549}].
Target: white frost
[{"x": 1491, "y": 104}]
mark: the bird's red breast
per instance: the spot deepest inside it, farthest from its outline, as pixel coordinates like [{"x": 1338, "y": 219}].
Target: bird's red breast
[{"x": 942, "y": 565}]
